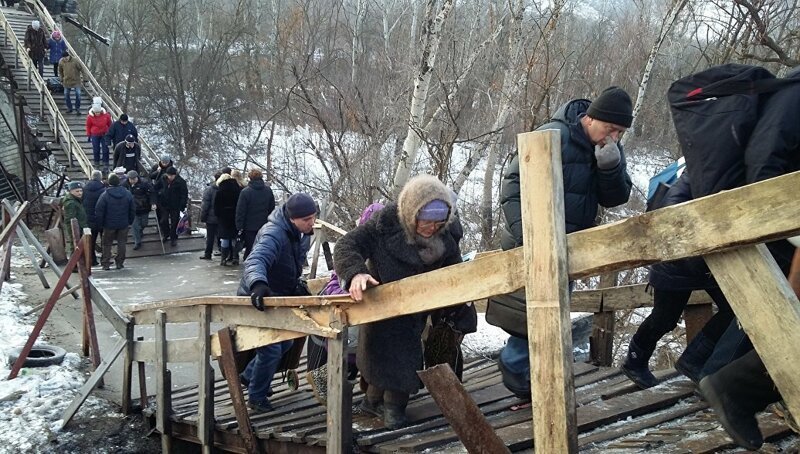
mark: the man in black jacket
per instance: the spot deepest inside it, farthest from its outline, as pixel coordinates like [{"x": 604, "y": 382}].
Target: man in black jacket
[
  {"x": 595, "y": 172},
  {"x": 144, "y": 200},
  {"x": 172, "y": 199},
  {"x": 120, "y": 130},
  {"x": 128, "y": 154},
  {"x": 115, "y": 213},
  {"x": 255, "y": 204}
]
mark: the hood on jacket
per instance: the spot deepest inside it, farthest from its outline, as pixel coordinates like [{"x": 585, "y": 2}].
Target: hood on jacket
[
  {"x": 416, "y": 194},
  {"x": 222, "y": 178},
  {"x": 279, "y": 218},
  {"x": 118, "y": 192},
  {"x": 571, "y": 111},
  {"x": 257, "y": 184},
  {"x": 97, "y": 114}
]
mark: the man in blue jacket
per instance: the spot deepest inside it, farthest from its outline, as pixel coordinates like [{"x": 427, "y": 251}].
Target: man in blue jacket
[
  {"x": 595, "y": 173},
  {"x": 274, "y": 268},
  {"x": 92, "y": 191},
  {"x": 115, "y": 213}
]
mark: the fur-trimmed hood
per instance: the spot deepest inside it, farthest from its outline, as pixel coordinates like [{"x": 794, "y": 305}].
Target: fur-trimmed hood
[
  {"x": 222, "y": 178},
  {"x": 416, "y": 194}
]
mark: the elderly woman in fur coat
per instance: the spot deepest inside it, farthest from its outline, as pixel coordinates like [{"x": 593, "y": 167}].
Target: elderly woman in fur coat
[{"x": 417, "y": 234}]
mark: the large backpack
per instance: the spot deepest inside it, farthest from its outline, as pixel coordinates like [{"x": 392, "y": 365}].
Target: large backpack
[{"x": 715, "y": 112}]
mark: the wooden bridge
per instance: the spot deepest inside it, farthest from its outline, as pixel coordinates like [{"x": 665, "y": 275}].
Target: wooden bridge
[{"x": 575, "y": 405}]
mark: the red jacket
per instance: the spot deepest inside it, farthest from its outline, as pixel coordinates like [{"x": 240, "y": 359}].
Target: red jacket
[{"x": 97, "y": 124}]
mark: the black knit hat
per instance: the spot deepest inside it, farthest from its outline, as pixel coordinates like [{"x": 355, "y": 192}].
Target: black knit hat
[
  {"x": 300, "y": 205},
  {"x": 612, "y": 106},
  {"x": 172, "y": 171},
  {"x": 113, "y": 180}
]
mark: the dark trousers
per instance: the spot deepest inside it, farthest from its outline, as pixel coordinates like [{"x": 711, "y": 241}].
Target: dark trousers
[
  {"x": 667, "y": 309},
  {"x": 96, "y": 231},
  {"x": 732, "y": 345},
  {"x": 168, "y": 220},
  {"x": 109, "y": 237},
  {"x": 249, "y": 240},
  {"x": 99, "y": 144},
  {"x": 55, "y": 69},
  {"x": 211, "y": 238},
  {"x": 746, "y": 382}
]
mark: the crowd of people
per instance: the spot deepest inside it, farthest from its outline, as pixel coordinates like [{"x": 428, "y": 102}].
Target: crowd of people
[{"x": 421, "y": 232}]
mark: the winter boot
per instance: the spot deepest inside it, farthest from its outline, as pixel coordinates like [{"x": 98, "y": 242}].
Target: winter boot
[
  {"x": 223, "y": 259},
  {"x": 693, "y": 359},
  {"x": 394, "y": 410},
  {"x": 515, "y": 383},
  {"x": 635, "y": 367},
  {"x": 736, "y": 393},
  {"x": 373, "y": 402}
]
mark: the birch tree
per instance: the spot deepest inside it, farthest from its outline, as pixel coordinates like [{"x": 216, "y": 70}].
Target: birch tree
[{"x": 431, "y": 37}]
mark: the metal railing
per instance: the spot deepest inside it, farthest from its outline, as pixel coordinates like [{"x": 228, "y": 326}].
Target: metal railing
[
  {"x": 55, "y": 118},
  {"x": 95, "y": 89}
]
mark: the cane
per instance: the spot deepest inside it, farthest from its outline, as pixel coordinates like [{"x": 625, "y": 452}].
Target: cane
[{"x": 160, "y": 236}]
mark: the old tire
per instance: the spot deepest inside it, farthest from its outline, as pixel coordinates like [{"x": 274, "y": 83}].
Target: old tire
[{"x": 40, "y": 356}]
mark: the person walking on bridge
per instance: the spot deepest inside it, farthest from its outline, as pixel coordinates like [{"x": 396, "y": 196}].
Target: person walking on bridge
[
  {"x": 57, "y": 47},
  {"x": 71, "y": 74},
  {"x": 98, "y": 121},
  {"x": 115, "y": 213},
  {"x": 255, "y": 204}
]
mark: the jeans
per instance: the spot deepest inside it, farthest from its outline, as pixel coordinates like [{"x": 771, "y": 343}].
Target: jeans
[
  {"x": 68, "y": 98},
  {"x": 262, "y": 368},
  {"x": 515, "y": 356},
  {"x": 211, "y": 238},
  {"x": 139, "y": 223},
  {"x": 99, "y": 142}
]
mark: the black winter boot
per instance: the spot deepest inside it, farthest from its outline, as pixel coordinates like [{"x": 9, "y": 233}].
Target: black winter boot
[
  {"x": 223, "y": 259},
  {"x": 736, "y": 393},
  {"x": 635, "y": 367},
  {"x": 373, "y": 402},
  {"x": 693, "y": 359},
  {"x": 394, "y": 410}
]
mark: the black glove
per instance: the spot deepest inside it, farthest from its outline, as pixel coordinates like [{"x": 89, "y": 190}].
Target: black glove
[{"x": 257, "y": 294}]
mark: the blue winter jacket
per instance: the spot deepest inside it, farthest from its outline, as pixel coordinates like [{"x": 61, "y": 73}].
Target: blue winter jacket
[
  {"x": 115, "y": 209},
  {"x": 277, "y": 257},
  {"x": 57, "y": 49},
  {"x": 585, "y": 186},
  {"x": 91, "y": 194}
]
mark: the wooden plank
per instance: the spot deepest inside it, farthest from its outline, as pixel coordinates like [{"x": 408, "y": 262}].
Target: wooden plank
[
  {"x": 177, "y": 350},
  {"x": 461, "y": 411},
  {"x": 621, "y": 298},
  {"x": 696, "y": 318},
  {"x": 29, "y": 252},
  {"x": 274, "y": 301},
  {"x": 142, "y": 378},
  {"x": 90, "y": 384},
  {"x": 601, "y": 341},
  {"x": 547, "y": 292},
  {"x": 10, "y": 227},
  {"x": 331, "y": 227},
  {"x": 163, "y": 388},
  {"x": 339, "y": 403},
  {"x": 772, "y": 427},
  {"x": 5, "y": 260},
  {"x": 768, "y": 310},
  {"x": 205, "y": 421},
  {"x": 228, "y": 363},
  {"x": 85, "y": 241}
]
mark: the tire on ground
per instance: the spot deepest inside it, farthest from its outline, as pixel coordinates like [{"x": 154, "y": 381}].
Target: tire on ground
[{"x": 40, "y": 356}]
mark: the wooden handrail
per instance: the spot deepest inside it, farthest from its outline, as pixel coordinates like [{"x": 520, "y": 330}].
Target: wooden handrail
[
  {"x": 57, "y": 121},
  {"x": 95, "y": 88}
]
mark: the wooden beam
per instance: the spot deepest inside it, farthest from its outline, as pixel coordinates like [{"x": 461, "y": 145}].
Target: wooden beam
[
  {"x": 243, "y": 301},
  {"x": 121, "y": 323},
  {"x": 768, "y": 310},
  {"x": 205, "y": 422},
  {"x": 695, "y": 318},
  {"x": 35, "y": 263},
  {"x": 163, "y": 387},
  {"x": 601, "y": 341},
  {"x": 11, "y": 225},
  {"x": 228, "y": 363},
  {"x": 555, "y": 425},
  {"x": 332, "y": 227},
  {"x": 90, "y": 384},
  {"x": 339, "y": 402},
  {"x": 463, "y": 414}
]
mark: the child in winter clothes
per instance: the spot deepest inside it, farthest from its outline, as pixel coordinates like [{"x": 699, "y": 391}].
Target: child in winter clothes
[
  {"x": 57, "y": 46},
  {"x": 97, "y": 123}
]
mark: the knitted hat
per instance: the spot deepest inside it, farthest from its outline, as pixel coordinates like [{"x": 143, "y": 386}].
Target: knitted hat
[
  {"x": 612, "y": 106},
  {"x": 97, "y": 101},
  {"x": 133, "y": 174},
  {"x": 300, "y": 205},
  {"x": 56, "y": 34},
  {"x": 123, "y": 117},
  {"x": 35, "y": 24},
  {"x": 172, "y": 171},
  {"x": 165, "y": 158},
  {"x": 368, "y": 212},
  {"x": 113, "y": 180},
  {"x": 97, "y": 175},
  {"x": 74, "y": 185},
  {"x": 435, "y": 210}
]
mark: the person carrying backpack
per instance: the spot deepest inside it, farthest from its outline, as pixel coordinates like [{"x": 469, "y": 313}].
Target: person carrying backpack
[{"x": 595, "y": 173}]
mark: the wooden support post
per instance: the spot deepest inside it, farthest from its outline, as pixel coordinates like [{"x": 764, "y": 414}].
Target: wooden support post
[
  {"x": 767, "y": 309},
  {"x": 463, "y": 414},
  {"x": 695, "y": 316},
  {"x": 10, "y": 226},
  {"x": 547, "y": 292},
  {"x": 326, "y": 251},
  {"x": 51, "y": 302},
  {"x": 5, "y": 260},
  {"x": 27, "y": 247},
  {"x": 228, "y": 363},
  {"x": 601, "y": 341},
  {"x": 142, "y": 380},
  {"x": 205, "y": 421},
  {"x": 89, "y": 325},
  {"x": 340, "y": 393},
  {"x": 93, "y": 381},
  {"x": 127, "y": 379},
  {"x": 163, "y": 387}
]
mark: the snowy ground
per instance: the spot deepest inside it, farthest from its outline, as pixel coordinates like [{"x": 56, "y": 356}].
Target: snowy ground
[{"x": 32, "y": 404}]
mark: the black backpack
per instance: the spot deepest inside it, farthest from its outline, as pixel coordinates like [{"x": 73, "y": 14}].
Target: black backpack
[{"x": 715, "y": 112}]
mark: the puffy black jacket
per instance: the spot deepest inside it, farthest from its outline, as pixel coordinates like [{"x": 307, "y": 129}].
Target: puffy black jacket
[
  {"x": 277, "y": 257},
  {"x": 225, "y": 206},
  {"x": 174, "y": 195},
  {"x": 144, "y": 196},
  {"x": 115, "y": 208},
  {"x": 585, "y": 186},
  {"x": 91, "y": 194},
  {"x": 129, "y": 158},
  {"x": 117, "y": 132},
  {"x": 255, "y": 204},
  {"x": 207, "y": 213}
]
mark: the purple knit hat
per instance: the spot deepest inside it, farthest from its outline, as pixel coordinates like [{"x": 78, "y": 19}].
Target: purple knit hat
[
  {"x": 435, "y": 210},
  {"x": 368, "y": 212}
]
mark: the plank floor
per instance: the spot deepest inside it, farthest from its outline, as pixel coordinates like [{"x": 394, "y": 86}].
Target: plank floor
[{"x": 613, "y": 415}]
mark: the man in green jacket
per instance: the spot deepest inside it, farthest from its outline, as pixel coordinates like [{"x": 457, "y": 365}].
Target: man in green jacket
[{"x": 72, "y": 206}]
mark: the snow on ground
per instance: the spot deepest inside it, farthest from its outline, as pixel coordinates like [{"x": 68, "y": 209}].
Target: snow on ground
[
  {"x": 31, "y": 405},
  {"x": 486, "y": 342}
]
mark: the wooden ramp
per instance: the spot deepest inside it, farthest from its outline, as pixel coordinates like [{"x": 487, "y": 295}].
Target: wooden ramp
[{"x": 612, "y": 414}]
